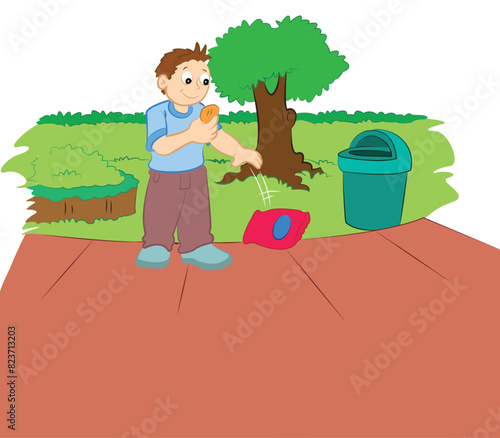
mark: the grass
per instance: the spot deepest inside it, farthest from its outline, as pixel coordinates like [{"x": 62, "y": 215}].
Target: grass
[{"x": 232, "y": 205}]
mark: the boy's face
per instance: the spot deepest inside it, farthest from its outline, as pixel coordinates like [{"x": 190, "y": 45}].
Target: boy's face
[{"x": 189, "y": 83}]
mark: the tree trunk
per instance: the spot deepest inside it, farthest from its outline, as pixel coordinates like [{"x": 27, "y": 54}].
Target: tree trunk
[{"x": 275, "y": 122}]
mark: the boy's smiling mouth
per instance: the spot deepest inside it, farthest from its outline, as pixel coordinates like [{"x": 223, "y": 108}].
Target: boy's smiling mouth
[{"x": 189, "y": 97}]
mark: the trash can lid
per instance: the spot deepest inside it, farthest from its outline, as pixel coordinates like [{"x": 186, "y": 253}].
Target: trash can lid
[{"x": 376, "y": 152}]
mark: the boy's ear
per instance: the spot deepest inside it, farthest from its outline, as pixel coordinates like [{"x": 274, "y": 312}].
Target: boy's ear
[{"x": 162, "y": 82}]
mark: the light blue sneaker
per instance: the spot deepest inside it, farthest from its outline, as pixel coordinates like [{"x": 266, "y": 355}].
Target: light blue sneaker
[
  {"x": 153, "y": 257},
  {"x": 208, "y": 257}
]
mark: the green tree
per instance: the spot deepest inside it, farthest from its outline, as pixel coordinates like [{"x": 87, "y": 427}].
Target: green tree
[{"x": 269, "y": 66}]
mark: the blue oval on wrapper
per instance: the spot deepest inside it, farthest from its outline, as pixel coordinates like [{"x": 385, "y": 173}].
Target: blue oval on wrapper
[{"x": 282, "y": 227}]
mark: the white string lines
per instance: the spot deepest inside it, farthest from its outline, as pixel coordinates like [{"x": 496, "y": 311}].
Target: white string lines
[{"x": 266, "y": 195}]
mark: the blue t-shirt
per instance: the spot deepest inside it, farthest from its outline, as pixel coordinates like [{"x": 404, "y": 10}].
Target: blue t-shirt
[{"x": 163, "y": 119}]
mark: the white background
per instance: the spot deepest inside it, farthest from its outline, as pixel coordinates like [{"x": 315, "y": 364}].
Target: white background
[{"x": 421, "y": 57}]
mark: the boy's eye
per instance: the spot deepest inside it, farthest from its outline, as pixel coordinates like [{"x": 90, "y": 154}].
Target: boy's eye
[
  {"x": 187, "y": 77},
  {"x": 205, "y": 79}
]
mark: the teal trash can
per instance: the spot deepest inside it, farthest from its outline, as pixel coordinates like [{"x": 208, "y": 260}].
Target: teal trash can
[{"x": 375, "y": 168}]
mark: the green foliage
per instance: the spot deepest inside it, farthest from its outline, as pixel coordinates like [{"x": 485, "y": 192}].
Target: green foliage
[
  {"x": 77, "y": 119},
  {"x": 239, "y": 117},
  {"x": 329, "y": 117},
  {"x": 70, "y": 167},
  {"x": 91, "y": 119},
  {"x": 85, "y": 193},
  {"x": 255, "y": 52},
  {"x": 357, "y": 117}
]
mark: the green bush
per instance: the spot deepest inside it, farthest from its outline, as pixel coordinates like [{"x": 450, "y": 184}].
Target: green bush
[
  {"x": 329, "y": 117},
  {"x": 239, "y": 117},
  {"x": 70, "y": 167},
  {"x": 85, "y": 193},
  {"x": 358, "y": 116},
  {"x": 91, "y": 119}
]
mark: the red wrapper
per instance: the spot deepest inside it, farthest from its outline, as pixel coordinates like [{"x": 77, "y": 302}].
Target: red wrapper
[{"x": 280, "y": 228}]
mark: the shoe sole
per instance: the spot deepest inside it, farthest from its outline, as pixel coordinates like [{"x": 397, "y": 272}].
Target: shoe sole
[
  {"x": 151, "y": 265},
  {"x": 208, "y": 266}
]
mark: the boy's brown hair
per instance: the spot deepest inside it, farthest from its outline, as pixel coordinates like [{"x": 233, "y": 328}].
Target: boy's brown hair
[{"x": 171, "y": 60}]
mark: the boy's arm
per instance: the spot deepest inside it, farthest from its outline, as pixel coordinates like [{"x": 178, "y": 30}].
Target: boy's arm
[
  {"x": 228, "y": 145},
  {"x": 198, "y": 132},
  {"x": 170, "y": 143}
]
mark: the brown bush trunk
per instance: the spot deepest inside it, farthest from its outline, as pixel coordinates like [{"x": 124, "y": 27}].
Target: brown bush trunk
[
  {"x": 89, "y": 210},
  {"x": 275, "y": 122}
]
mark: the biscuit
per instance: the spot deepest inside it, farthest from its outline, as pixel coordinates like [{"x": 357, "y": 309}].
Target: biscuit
[{"x": 208, "y": 112}]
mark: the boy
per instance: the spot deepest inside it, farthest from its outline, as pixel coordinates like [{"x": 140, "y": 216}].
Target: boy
[{"x": 175, "y": 138}]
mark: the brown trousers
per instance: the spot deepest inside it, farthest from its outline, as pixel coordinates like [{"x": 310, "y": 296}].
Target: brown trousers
[{"x": 177, "y": 200}]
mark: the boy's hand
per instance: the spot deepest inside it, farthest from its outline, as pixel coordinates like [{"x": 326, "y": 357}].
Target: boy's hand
[
  {"x": 245, "y": 155},
  {"x": 200, "y": 132}
]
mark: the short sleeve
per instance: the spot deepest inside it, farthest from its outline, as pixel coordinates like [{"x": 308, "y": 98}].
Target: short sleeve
[
  {"x": 219, "y": 127},
  {"x": 156, "y": 126}
]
